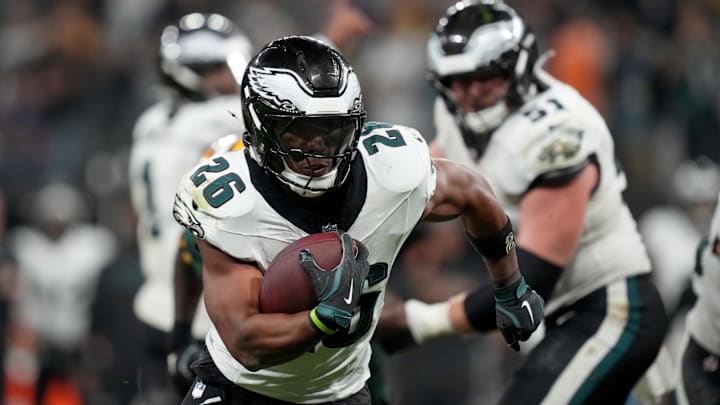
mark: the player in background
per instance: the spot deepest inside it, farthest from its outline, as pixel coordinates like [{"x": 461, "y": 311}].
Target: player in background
[
  {"x": 699, "y": 364},
  {"x": 310, "y": 165},
  {"x": 549, "y": 157},
  {"x": 672, "y": 231},
  {"x": 201, "y": 59}
]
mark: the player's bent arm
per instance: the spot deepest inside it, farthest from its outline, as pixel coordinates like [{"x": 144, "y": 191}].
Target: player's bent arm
[
  {"x": 256, "y": 340},
  {"x": 516, "y": 309},
  {"x": 552, "y": 222},
  {"x": 463, "y": 192}
]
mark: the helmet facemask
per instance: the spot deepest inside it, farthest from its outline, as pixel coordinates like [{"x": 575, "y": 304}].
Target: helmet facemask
[{"x": 312, "y": 155}]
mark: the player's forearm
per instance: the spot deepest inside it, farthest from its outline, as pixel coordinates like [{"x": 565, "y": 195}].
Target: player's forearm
[
  {"x": 488, "y": 228},
  {"x": 497, "y": 248},
  {"x": 265, "y": 340}
]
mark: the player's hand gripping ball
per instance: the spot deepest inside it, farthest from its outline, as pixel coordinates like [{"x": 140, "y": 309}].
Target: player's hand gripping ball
[{"x": 286, "y": 287}]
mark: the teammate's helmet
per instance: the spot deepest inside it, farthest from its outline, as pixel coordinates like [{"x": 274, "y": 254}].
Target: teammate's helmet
[
  {"x": 197, "y": 43},
  {"x": 301, "y": 85},
  {"x": 483, "y": 36}
]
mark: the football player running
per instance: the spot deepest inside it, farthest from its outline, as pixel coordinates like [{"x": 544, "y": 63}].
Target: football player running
[
  {"x": 699, "y": 381},
  {"x": 548, "y": 155},
  {"x": 311, "y": 164},
  {"x": 188, "y": 289},
  {"x": 201, "y": 60}
]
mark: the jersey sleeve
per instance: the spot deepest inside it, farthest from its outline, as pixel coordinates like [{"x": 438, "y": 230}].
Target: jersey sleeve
[
  {"x": 214, "y": 202},
  {"x": 400, "y": 169},
  {"x": 547, "y": 143},
  {"x": 560, "y": 153},
  {"x": 397, "y": 156}
]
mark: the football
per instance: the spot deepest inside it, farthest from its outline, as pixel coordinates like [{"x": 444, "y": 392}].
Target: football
[{"x": 286, "y": 287}]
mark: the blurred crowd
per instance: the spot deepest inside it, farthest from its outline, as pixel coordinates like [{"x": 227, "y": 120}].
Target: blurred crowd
[{"x": 75, "y": 75}]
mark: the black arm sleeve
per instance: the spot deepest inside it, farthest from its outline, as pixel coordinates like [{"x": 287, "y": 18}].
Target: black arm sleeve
[{"x": 540, "y": 275}]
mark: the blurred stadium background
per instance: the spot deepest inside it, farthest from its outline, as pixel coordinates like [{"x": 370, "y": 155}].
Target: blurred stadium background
[{"x": 75, "y": 74}]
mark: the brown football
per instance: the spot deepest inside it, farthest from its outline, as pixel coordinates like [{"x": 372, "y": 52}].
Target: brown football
[{"x": 286, "y": 287}]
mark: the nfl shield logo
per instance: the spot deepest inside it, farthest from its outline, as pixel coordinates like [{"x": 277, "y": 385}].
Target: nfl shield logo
[{"x": 198, "y": 390}]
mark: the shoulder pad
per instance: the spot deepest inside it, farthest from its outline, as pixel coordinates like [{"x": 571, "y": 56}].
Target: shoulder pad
[
  {"x": 555, "y": 135},
  {"x": 218, "y": 189},
  {"x": 396, "y": 156}
]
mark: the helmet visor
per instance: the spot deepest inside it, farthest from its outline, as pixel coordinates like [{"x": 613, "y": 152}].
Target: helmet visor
[{"x": 316, "y": 137}]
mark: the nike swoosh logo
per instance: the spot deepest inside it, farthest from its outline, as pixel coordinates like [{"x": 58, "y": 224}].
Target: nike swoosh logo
[
  {"x": 348, "y": 299},
  {"x": 526, "y": 305}
]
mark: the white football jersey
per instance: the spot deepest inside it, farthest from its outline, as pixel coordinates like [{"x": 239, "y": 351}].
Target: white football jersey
[
  {"x": 556, "y": 132},
  {"x": 58, "y": 279},
  {"x": 703, "y": 320},
  {"x": 223, "y": 202},
  {"x": 168, "y": 140}
]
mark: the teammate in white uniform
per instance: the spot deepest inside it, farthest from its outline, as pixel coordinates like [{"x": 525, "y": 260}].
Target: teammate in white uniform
[
  {"x": 311, "y": 166},
  {"x": 699, "y": 381},
  {"x": 201, "y": 61},
  {"x": 548, "y": 155}
]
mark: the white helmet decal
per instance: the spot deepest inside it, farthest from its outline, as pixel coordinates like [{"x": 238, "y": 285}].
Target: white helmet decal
[{"x": 285, "y": 90}]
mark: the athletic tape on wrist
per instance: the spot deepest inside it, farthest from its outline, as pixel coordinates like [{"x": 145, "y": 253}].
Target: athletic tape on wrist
[{"x": 428, "y": 321}]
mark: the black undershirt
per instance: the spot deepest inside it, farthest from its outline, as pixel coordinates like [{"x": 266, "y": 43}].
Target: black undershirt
[{"x": 336, "y": 208}]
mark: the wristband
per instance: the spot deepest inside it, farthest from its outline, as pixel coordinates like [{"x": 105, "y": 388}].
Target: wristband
[
  {"x": 497, "y": 245},
  {"x": 428, "y": 321}
]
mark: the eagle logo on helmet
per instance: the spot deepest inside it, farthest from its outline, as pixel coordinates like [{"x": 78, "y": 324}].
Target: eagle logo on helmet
[{"x": 263, "y": 80}]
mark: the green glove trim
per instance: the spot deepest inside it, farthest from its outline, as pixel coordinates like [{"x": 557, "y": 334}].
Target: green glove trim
[
  {"x": 315, "y": 320},
  {"x": 512, "y": 292}
]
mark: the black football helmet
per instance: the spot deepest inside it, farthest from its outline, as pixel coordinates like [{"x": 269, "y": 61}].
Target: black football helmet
[
  {"x": 301, "y": 85},
  {"x": 483, "y": 36},
  {"x": 197, "y": 43}
]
